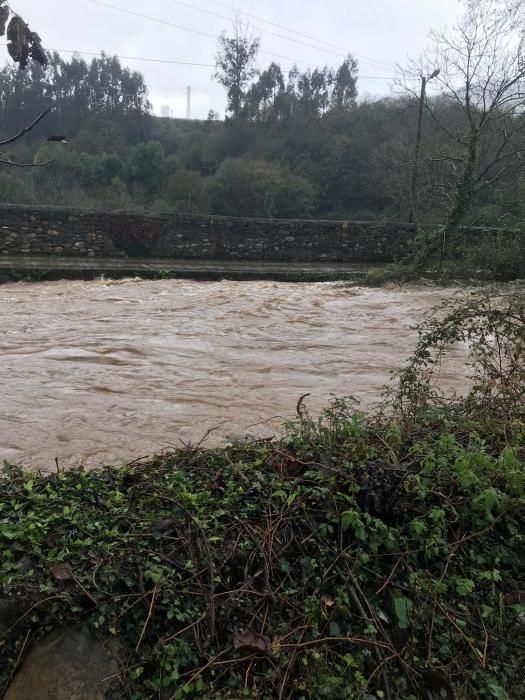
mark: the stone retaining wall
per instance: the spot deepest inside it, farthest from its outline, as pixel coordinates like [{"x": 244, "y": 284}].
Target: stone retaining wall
[
  {"x": 78, "y": 233},
  {"x": 70, "y": 232}
]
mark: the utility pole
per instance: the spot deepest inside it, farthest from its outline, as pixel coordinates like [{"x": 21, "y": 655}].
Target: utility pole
[
  {"x": 188, "y": 102},
  {"x": 415, "y": 173}
]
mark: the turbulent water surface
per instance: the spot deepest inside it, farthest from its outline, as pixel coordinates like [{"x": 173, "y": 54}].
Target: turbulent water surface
[{"x": 102, "y": 372}]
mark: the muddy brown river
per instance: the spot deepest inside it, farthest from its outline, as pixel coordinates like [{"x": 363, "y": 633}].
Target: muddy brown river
[{"x": 106, "y": 372}]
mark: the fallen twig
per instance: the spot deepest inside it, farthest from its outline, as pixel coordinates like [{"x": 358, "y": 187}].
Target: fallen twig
[{"x": 150, "y": 611}]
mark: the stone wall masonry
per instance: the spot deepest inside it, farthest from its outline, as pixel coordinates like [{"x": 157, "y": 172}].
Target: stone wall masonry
[
  {"x": 53, "y": 231},
  {"x": 42, "y": 231}
]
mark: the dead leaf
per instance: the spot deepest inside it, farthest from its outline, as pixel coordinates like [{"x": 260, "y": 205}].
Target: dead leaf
[
  {"x": 328, "y": 601},
  {"x": 286, "y": 465},
  {"x": 217, "y": 483},
  {"x": 62, "y": 572},
  {"x": 517, "y": 598},
  {"x": 252, "y": 642}
]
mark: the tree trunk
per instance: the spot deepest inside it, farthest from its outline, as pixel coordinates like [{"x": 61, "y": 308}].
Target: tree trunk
[{"x": 464, "y": 192}]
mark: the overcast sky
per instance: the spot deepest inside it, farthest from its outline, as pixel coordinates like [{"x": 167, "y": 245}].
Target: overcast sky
[{"x": 380, "y": 33}]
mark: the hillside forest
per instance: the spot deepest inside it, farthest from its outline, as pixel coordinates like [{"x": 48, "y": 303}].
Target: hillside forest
[{"x": 295, "y": 145}]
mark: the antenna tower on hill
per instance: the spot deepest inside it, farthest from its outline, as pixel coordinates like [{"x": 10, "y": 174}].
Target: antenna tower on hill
[{"x": 188, "y": 103}]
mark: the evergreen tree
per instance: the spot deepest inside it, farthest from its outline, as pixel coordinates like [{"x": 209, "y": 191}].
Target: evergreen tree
[{"x": 235, "y": 64}]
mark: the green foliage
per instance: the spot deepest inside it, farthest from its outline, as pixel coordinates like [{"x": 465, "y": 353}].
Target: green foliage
[
  {"x": 78, "y": 90},
  {"x": 256, "y": 188},
  {"x": 395, "y": 273},
  {"x": 491, "y": 323},
  {"x": 92, "y": 171},
  {"x": 358, "y": 551},
  {"x": 187, "y": 190},
  {"x": 116, "y": 195},
  {"x": 12, "y": 190},
  {"x": 310, "y": 94},
  {"x": 235, "y": 65},
  {"x": 403, "y": 607},
  {"x": 100, "y": 135},
  {"x": 147, "y": 168},
  {"x": 492, "y": 255}
]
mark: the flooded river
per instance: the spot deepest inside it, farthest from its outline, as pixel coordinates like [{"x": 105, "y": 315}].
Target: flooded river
[{"x": 105, "y": 372}]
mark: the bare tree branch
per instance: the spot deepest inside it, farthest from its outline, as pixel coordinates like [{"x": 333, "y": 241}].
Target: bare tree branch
[
  {"x": 502, "y": 172},
  {"x": 14, "y": 164},
  {"x": 499, "y": 157},
  {"x": 439, "y": 122},
  {"x": 26, "y": 129}
]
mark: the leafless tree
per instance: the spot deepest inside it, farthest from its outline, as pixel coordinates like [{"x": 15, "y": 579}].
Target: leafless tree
[{"x": 481, "y": 64}]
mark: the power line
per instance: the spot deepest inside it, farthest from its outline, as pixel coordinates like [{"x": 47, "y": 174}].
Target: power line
[
  {"x": 177, "y": 63},
  {"x": 153, "y": 19},
  {"x": 187, "y": 29},
  {"x": 133, "y": 58},
  {"x": 210, "y": 36},
  {"x": 366, "y": 59},
  {"x": 266, "y": 31},
  {"x": 168, "y": 61},
  {"x": 97, "y": 54}
]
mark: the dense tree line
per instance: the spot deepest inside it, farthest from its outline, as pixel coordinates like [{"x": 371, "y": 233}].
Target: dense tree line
[
  {"x": 76, "y": 90},
  {"x": 295, "y": 145}
]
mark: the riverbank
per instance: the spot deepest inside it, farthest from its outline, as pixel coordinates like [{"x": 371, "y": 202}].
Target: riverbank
[
  {"x": 48, "y": 268},
  {"x": 32, "y": 269},
  {"x": 358, "y": 557}
]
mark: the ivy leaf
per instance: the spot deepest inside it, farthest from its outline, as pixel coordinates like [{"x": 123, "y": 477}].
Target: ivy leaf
[
  {"x": 464, "y": 586},
  {"x": 335, "y": 630},
  {"x": 403, "y": 607},
  {"x": 351, "y": 520},
  {"x": 284, "y": 566}
]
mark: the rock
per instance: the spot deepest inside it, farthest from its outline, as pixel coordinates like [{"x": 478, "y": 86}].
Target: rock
[
  {"x": 70, "y": 664},
  {"x": 25, "y": 565}
]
